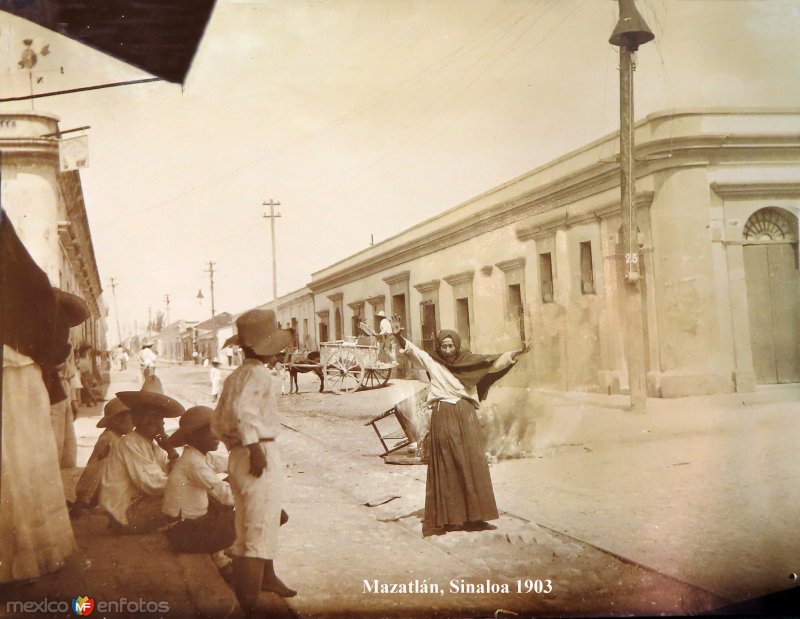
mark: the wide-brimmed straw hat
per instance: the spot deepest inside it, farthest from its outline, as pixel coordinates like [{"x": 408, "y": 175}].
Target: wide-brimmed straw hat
[
  {"x": 72, "y": 309},
  {"x": 192, "y": 420},
  {"x": 112, "y": 409},
  {"x": 151, "y": 399},
  {"x": 233, "y": 340},
  {"x": 258, "y": 330},
  {"x": 381, "y": 313}
]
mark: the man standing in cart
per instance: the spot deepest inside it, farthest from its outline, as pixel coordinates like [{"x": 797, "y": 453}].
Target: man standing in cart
[{"x": 386, "y": 352}]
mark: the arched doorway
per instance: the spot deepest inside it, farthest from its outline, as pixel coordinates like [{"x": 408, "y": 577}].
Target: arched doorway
[{"x": 773, "y": 294}]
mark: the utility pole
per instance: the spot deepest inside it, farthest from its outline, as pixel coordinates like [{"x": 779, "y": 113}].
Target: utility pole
[
  {"x": 272, "y": 215},
  {"x": 210, "y": 272},
  {"x": 631, "y": 32},
  {"x": 116, "y": 311},
  {"x": 166, "y": 309}
]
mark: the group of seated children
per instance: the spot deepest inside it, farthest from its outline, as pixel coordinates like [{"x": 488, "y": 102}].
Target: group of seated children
[{"x": 136, "y": 475}]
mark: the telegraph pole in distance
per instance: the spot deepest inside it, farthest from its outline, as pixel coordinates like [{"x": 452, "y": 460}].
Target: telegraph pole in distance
[
  {"x": 210, "y": 272},
  {"x": 272, "y": 215},
  {"x": 116, "y": 311},
  {"x": 166, "y": 309},
  {"x": 631, "y": 32}
]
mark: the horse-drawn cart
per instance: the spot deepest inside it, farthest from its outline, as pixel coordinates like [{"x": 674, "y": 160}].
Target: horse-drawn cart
[{"x": 348, "y": 366}]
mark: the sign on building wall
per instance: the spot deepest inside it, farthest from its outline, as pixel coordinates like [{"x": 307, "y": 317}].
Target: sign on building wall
[{"x": 73, "y": 153}]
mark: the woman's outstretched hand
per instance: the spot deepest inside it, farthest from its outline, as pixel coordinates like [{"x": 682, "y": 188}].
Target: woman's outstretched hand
[{"x": 525, "y": 348}]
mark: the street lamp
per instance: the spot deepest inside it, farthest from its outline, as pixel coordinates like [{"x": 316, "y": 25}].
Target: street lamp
[{"x": 631, "y": 32}]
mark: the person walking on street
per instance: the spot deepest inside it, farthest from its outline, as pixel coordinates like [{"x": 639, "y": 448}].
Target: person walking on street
[
  {"x": 216, "y": 380},
  {"x": 458, "y": 488},
  {"x": 147, "y": 360},
  {"x": 246, "y": 419}
]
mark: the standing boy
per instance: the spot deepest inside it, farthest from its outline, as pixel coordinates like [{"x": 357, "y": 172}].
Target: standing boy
[{"x": 246, "y": 419}]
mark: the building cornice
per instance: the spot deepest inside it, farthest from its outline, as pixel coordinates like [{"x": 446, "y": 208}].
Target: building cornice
[
  {"x": 429, "y": 286},
  {"x": 757, "y": 190},
  {"x": 512, "y": 264},
  {"x": 335, "y": 297},
  {"x": 323, "y": 313},
  {"x": 459, "y": 278},
  {"x": 545, "y": 223},
  {"x": 356, "y": 304},
  {"x": 397, "y": 278},
  {"x": 377, "y": 299}
]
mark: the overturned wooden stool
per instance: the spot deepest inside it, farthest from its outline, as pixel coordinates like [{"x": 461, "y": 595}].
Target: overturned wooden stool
[{"x": 391, "y": 430}]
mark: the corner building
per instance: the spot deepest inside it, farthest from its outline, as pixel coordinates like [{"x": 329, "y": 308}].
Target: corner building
[{"x": 718, "y": 199}]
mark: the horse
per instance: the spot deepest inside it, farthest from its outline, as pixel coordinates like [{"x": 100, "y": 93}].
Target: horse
[{"x": 311, "y": 358}]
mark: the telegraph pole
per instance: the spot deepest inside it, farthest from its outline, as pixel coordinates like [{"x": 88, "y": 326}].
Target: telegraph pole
[
  {"x": 166, "y": 309},
  {"x": 272, "y": 215},
  {"x": 116, "y": 311},
  {"x": 210, "y": 272},
  {"x": 631, "y": 32}
]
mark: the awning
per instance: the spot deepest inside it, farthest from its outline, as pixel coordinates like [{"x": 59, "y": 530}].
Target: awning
[{"x": 158, "y": 36}]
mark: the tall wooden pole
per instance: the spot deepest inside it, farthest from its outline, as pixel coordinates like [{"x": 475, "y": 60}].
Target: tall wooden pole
[
  {"x": 272, "y": 204},
  {"x": 632, "y": 313}
]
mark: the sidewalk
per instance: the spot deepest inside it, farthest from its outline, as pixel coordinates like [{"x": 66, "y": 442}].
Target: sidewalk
[
  {"x": 131, "y": 570},
  {"x": 703, "y": 489}
]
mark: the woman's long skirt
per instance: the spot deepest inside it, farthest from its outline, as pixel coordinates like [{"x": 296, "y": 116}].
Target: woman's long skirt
[
  {"x": 458, "y": 487},
  {"x": 35, "y": 531}
]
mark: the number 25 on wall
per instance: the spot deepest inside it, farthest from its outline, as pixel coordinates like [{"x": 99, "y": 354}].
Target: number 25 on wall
[{"x": 631, "y": 258}]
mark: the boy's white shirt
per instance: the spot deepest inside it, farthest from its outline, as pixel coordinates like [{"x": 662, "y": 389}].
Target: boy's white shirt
[{"x": 193, "y": 478}]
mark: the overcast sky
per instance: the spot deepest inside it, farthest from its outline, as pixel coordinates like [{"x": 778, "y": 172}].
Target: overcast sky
[{"x": 364, "y": 117}]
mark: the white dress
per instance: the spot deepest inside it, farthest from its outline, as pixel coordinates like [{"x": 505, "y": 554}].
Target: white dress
[{"x": 35, "y": 531}]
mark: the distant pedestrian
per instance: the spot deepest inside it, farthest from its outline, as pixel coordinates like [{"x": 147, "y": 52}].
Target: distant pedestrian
[
  {"x": 147, "y": 360},
  {"x": 458, "y": 489},
  {"x": 216, "y": 380},
  {"x": 246, "y": 419},
  {"x": 196, "y": 357}
]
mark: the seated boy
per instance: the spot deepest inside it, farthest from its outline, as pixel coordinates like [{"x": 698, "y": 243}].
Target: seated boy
[
  {"x": 117, "y": 422},
  {"x": 136, "y": 473},
  {"x": 195, "y": 495}
]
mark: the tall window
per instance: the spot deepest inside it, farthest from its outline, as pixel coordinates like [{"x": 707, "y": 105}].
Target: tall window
[
  {"x": 399, "y": 308},
  {"x": 587, "y": 272},
  {"x": 337, "y": 324},
  {"x": 546, "y": 277},
  {"x": 323, "y": 332},
  {"x": 305, "y": 332},
  {"x": 462, "y": 321},
  {"x": 516, "y": 311},
  {"x": 428, "y": 317}
]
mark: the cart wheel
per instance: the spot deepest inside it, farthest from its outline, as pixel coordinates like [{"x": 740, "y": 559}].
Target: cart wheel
[
  {"x": 344, "y": 372},
  {"x": 376, "y": 377}
]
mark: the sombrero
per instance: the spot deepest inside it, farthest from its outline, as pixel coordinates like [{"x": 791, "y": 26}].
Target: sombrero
[
  {"x": 72, "y": 309},
  {"x": 258, "y": 330},
  {"x": 112, "y": 409},
  {"x": 192, "y": 420},
  {"x": 151, "y": 399},
  {"x": 233, "y": 340}
]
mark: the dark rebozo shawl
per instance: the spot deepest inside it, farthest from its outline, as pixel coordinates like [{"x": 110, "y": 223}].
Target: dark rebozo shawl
[{"x": 471, "y": 369}]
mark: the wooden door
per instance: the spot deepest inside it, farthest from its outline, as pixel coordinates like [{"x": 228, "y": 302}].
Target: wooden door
[{"x": 773, "y": 299}]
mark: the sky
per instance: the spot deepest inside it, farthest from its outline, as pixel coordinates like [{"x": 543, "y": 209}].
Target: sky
[{"x": 363, "y": 118}]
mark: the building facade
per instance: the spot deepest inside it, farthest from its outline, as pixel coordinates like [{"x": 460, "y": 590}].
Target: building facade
[
  {"x": 540, "y": 258},
  {"x": 47, "y": 209}
]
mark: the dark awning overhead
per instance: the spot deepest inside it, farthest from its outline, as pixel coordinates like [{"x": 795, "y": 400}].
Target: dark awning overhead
[{"x": 158, "y": 36}]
